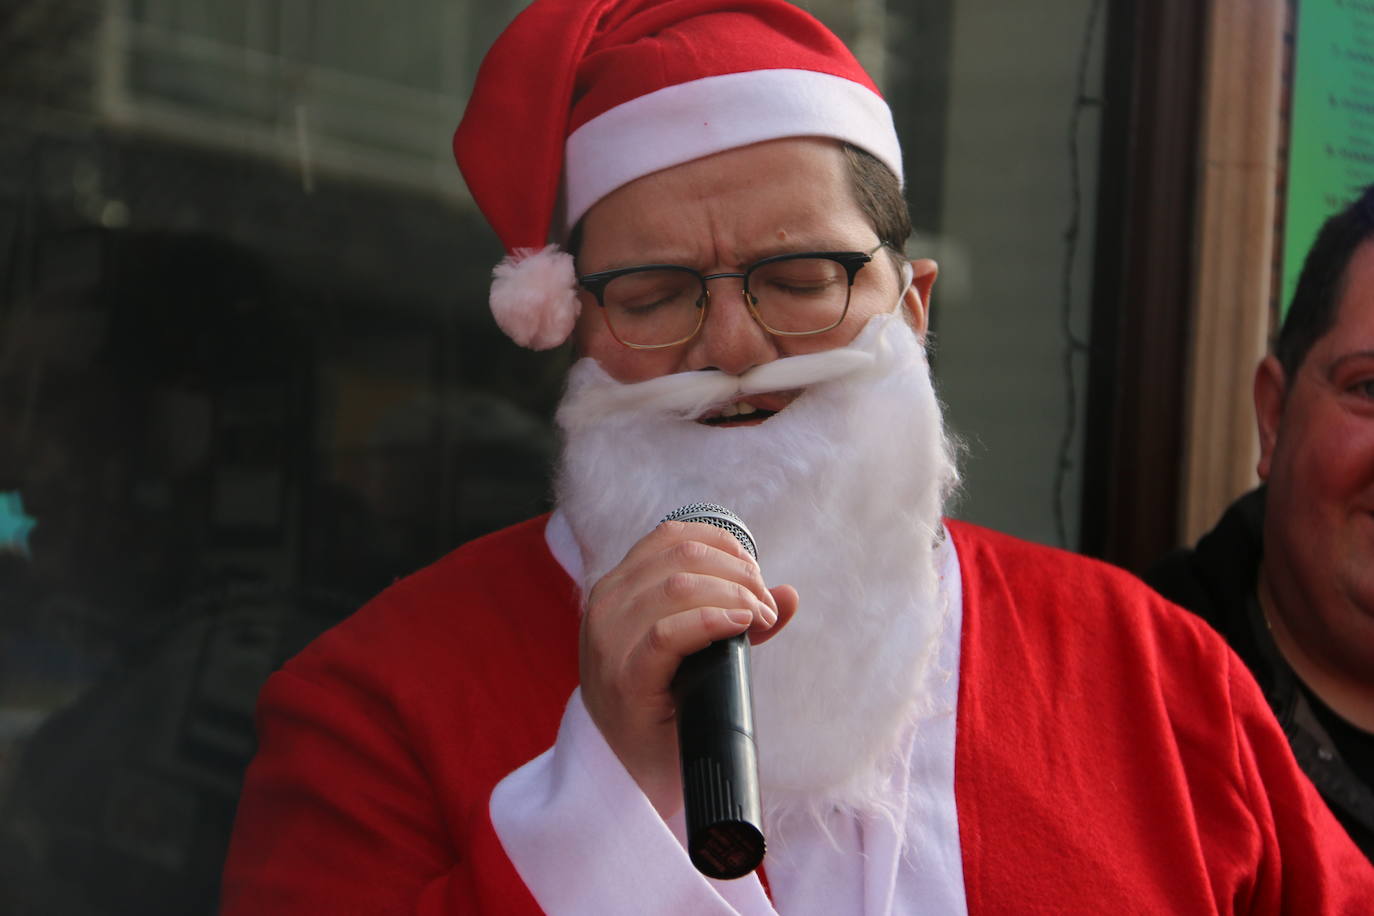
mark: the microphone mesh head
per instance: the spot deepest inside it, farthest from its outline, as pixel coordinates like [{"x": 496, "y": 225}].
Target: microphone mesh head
[{"x": 721, "y": 517}]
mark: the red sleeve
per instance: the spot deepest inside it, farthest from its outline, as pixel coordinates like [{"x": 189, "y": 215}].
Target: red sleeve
[
  {"x": 1309, "y": 863},
  {"x": 379, "y": 744},
  {"x": 338, "y": 817}
]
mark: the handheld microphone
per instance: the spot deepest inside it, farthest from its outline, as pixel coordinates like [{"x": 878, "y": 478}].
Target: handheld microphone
[{"x": 715, "y": 736}]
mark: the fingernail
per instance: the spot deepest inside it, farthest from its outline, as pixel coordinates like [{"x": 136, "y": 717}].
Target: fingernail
[
  {"x": 740, "y": 617},
  {"x": 770, "y": 616}
]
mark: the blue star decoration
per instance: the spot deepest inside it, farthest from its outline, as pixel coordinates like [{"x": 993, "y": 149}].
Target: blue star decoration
[{"x": 15, "y": 525}]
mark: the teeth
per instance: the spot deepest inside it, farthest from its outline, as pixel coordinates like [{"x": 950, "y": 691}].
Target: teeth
[{"x": 740, "y": 409}]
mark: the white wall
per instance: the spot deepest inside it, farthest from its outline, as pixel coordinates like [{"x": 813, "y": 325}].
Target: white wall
[{"x": 998, "y": 307}]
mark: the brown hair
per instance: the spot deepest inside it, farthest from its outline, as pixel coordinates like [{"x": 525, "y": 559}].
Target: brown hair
[
  {"x": 879, "y": 195},
  {"x": 1312, "y": 311}
]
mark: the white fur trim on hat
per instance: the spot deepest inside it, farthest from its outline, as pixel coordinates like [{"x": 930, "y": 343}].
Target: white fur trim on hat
[
  {"x": 534, "y": 296},
  {"x": 690, "y": 120}
]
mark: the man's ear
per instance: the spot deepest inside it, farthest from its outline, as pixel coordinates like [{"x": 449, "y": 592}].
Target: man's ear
[
  {"x": 1270, "y": 388},
  {"x": 916, "y": 300}
]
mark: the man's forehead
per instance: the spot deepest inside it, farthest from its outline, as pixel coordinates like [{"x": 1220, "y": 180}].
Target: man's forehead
[{"x": 731, "y": 208}]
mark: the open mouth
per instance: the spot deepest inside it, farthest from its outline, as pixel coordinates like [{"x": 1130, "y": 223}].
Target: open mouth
[{"x": 749, "y": 411}]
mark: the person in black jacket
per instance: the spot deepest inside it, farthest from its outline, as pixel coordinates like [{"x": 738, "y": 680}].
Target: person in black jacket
[{"x": 1287, "y": 575}]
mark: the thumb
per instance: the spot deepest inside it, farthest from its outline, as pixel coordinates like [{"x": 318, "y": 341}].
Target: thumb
[{"x": 787, "y": 601}]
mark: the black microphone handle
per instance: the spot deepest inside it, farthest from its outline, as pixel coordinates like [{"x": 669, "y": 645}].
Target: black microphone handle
[
  {"x": 720, "y": 770},
  {"x": 715, "y": 734}
]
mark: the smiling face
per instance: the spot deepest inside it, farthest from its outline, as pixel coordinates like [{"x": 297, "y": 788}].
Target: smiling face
[
  {"x": 719, "y": 214},
  {"x": 1317, "y": 456}
]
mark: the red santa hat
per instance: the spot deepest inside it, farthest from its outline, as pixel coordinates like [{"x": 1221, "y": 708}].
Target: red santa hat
[{"x": 579, "y": 97}]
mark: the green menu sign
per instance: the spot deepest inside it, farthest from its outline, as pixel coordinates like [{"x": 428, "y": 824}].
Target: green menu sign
[{"x": 1331, "y": 143}]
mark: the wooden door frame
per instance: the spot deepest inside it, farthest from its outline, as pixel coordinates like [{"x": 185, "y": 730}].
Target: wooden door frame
[{"x": 1182, "y": 285}]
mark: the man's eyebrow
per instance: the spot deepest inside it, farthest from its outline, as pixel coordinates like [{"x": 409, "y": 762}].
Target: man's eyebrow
[
  {"x": 625, "y": 263},
  {"x": 744, "y": 258},
  {"x": 794, "y": 246},
  {"x": 1350, "y": 356}
]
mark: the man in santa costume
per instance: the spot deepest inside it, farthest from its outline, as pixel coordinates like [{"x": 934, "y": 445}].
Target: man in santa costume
[{"x": 948, "y": 720}]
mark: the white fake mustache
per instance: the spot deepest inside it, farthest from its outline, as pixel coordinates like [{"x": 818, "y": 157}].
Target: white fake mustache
[{"x": 689, "y": 395}]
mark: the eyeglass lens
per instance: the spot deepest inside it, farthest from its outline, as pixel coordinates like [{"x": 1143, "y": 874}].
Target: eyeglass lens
[{"x": 662, "y": 305}]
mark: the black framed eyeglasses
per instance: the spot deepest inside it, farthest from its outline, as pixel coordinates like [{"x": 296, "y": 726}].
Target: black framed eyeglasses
[{"x": 791, "y": 295}]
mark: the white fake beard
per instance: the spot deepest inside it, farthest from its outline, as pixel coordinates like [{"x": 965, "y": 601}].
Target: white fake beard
[{"x": 843, "y": 491}]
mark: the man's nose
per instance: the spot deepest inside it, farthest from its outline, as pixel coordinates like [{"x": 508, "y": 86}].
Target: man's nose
[{"x": 730, "y": 339}]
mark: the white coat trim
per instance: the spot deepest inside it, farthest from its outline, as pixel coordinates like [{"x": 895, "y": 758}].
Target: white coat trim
[{"x": 585, "y": 840}]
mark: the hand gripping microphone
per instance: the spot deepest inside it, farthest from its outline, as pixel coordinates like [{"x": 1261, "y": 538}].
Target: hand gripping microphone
[{"x": 715, "y": 736}]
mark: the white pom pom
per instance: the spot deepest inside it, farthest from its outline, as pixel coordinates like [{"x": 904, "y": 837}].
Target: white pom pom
[{"x": 534, "y": 296}]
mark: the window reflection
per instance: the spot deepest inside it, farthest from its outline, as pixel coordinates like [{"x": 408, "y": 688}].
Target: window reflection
[
  {"x": 247, "y": 379},
  {"x": 221, "y": 456}
]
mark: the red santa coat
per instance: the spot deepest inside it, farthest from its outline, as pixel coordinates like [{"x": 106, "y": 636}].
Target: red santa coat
[{"x": 1111, "y": 753}]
